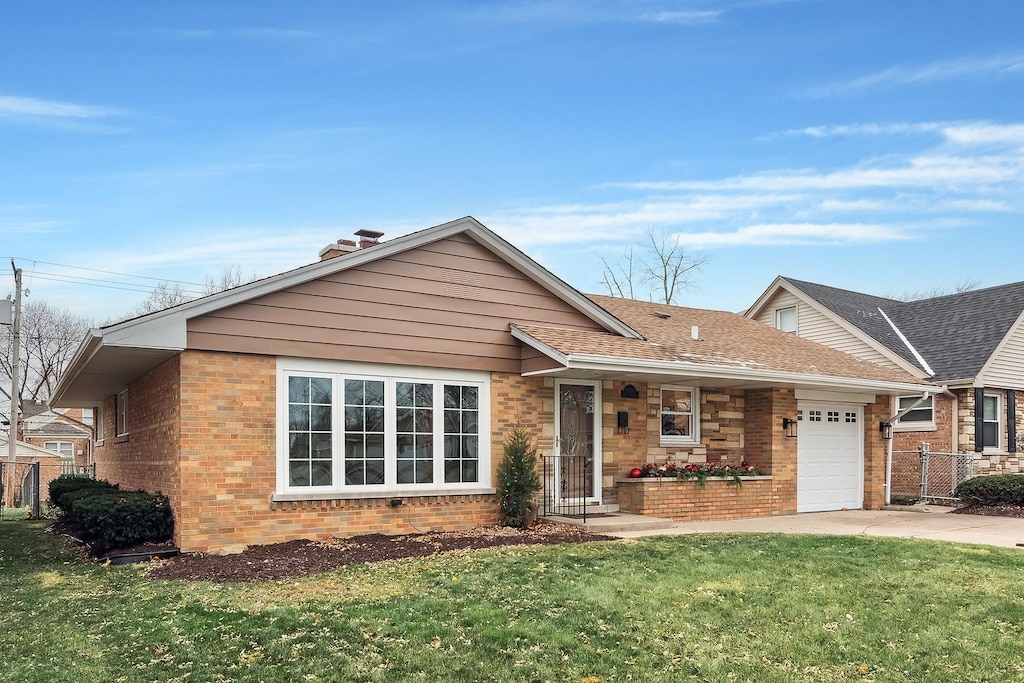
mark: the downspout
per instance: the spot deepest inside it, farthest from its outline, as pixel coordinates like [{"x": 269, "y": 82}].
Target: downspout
[{"x": 888, "y": 447}]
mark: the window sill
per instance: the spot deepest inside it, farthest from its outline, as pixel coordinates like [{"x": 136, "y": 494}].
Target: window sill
[
  {"x": 679, "y": 444},
  {"x": 99, "y": 442},
  {"x": 369, "y": 495},
  {"x": 121, "y": 439}
]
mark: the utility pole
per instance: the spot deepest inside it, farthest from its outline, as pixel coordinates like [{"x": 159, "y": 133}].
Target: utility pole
[{"x": 12, "y": 438}]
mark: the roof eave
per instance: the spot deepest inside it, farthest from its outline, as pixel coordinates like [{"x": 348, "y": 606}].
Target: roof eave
[{"x": 593, "y": 362}]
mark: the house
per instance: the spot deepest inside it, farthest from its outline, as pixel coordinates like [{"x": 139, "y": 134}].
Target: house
[
  {"x": 969, "y": 346},
  {"x": 17, "y": 479},
  {"x": 371, "y": 391},
  {"x": 62, "y": 430}
]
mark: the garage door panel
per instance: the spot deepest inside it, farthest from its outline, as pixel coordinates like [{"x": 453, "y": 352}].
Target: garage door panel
[{"x": 829, "y": 458}]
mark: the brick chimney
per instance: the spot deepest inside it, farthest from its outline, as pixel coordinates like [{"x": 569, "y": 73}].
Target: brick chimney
[
  {"x": 367, "y": 238},
  {"x": 339, "y": 248}
]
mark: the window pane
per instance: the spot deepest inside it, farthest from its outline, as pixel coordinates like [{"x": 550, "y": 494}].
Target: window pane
[
  {"x": 991, "y": 407},
  {"x": 353, "y": 392},
  {"x": 320, "y": 390},
  {"x": 322, "y": 447},
  {"x": 298, "y": 390},
  {"x": 469, "y": 398},
  {"x": 424, "y": 421},
  {"x": 406, "y": 447},
  {"x": 918, "y": 415},
  {"x": 469, "y": 470},
  {"x": 404, "y": 420},
  {"x": 320, "y": 473},
  {"x": 355, "y": 473},
  {"x": 375, "y": 472},
  {"x": 298, "y": 473},
  {"x": 354, "y": 419},
  {"x": 451, "y": 422},
  {"x": 469, "y": 422},
  {"x": 470, "y": 450},
  {"x": 452, "y": 471},
  {"x": 298, "y": 418},
  {"x": 375, "y": 419},
  {"x": 990, "y": 435},
  {"x": 452, "y": 396},
  {"x": 374, "y": 393},
  {"x": 786, "y": 319},
  {"x": 404, "y": 394},
  {"x": 320, "y": 418},
  {"x": 298, "y": 446},
  {"x": 425, "y": 395},
  {"x": 406, "y": 471},
  {"x": 374, "y": 446}
]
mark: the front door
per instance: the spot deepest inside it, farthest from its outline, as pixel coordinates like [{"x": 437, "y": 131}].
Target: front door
[{"x": 578, "y": 441}]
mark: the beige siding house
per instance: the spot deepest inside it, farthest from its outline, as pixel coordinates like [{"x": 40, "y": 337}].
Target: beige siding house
[
  {"x": 969, "y": 346},
  {"x": 371, "y": 391}
]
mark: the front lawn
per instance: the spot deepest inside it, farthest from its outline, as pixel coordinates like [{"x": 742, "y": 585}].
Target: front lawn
[{"x": 712, "y": 608}]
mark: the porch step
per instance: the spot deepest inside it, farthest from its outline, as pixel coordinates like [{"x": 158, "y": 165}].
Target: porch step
[{"x": 599, "y": 523}]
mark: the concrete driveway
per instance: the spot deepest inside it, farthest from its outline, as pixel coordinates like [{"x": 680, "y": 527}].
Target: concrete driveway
[{"x": 930, "y": 522}]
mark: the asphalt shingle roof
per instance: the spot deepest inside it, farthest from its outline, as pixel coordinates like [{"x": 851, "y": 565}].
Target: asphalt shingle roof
[
  {"x": 956, "y": 334},
  {"x": 726, "y": 340}
]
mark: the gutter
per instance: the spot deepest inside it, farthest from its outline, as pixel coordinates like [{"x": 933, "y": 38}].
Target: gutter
[{"x": 574, "y": 361}]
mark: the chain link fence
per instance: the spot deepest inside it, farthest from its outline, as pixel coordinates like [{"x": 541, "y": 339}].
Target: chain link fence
[
  {"x": 32, "y": 482},
  {"x": 930, "y": 475}
]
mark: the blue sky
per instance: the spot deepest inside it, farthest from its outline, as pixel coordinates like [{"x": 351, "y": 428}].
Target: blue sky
[{"x": 877, "y": 146}]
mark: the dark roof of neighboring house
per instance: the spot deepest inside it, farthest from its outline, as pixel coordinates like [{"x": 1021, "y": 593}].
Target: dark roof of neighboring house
[{"x": 956, "y": 334}]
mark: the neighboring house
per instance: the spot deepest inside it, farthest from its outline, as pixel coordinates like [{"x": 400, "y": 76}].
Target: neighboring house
[
  {"x": 371, "y": 392},
  {"x": 62, "y": 430},
  {"x": 51, "y": 466},
  {"x": 969, "y": 346}
]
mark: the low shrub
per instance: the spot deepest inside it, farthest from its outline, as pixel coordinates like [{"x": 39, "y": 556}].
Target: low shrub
[
  {"x": 120, "y": 519},
  {"x": 994, "y": 489},
  {"x": 66, "y": 485}
]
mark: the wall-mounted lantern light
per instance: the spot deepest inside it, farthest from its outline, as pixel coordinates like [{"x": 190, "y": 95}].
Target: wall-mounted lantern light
[
  {"x": 885, "y": 428},
  {"x": 789, "y": 426}
]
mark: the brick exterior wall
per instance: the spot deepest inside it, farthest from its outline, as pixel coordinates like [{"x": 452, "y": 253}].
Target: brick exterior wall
[
  {"x": 687, "y": 501},
  {"x": 147, "y": 457},
  {"x": 203, "y": 430}
]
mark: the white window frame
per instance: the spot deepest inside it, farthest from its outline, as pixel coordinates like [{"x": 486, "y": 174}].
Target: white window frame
[
  {"x": 902, "y": 425},
  {"x": 694, "y": 437},
  {"x": 999, "y": 421},
  {"x": 121, "y": 413},
  {"x": 65, "y": 448},
  {"x": 338, "y": 372},
  {"x": 778, "y": 319},
  {"x": 99, "y": 423}
]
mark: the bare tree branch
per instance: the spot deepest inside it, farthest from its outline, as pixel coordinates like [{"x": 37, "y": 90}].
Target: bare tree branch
[
  {"x": 664, "y": 268},
  {"x": 962, "y": 285}
]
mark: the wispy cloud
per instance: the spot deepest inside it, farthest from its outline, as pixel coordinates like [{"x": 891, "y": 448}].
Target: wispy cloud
[
  {"x": 30, "y": 107},
  {"x": 682, "y": 17},
  {"x": 966, "y": 172},
  {"x": 255, "y": 33},
  {"x": 953, "y": 69}
]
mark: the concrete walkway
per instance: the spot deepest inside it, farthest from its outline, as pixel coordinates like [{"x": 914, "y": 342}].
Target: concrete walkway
[{"x": 930, "y": 522}]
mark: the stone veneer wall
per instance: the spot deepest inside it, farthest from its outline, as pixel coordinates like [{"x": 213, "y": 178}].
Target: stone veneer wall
[{"x": 989, "y": 461}]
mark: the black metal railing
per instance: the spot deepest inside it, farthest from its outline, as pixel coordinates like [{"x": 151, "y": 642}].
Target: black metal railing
[{"x": 567, "y": 481}]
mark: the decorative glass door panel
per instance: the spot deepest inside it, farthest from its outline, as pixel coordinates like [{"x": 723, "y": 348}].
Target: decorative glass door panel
[{"x": 578, "y": 442}]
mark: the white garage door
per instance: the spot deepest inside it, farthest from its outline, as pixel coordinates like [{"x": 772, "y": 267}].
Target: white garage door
[{"x": 830, "y": 457}]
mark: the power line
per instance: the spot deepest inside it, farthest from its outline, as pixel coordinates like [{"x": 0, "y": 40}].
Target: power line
[{"x": 109, "y": 272}]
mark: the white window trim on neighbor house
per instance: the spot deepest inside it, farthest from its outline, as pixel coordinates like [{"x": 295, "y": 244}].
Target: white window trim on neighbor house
[
  {"x": 915, "y": 425},
  {"x": 391, "y": 376},
  {"x": 99, "y": 425},
  {"x": 65, "y": 448},
  {"x": 694, "y": 436},
  {"x": 780, "y": 325},
  {"x": 999, "y": 421}
]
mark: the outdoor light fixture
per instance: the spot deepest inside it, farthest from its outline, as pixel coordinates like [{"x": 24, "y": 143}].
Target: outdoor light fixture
[
  {"x": 886, "y": 430},
  {"x": 789, "y": 426}
]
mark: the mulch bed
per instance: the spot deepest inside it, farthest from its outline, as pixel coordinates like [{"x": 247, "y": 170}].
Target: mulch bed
[
  {"x": 290, "y": 559},
  {"x": 991, "y": 510}
]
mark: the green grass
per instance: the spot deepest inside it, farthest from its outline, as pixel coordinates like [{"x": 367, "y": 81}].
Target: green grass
[{"x": 707, "y": 608}]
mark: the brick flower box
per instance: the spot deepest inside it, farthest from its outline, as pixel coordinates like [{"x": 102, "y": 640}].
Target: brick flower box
[{"x": 686, "y": 501}]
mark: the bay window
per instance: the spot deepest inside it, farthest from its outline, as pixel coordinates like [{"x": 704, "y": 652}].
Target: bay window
[{"x": 350, "y": 428}]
